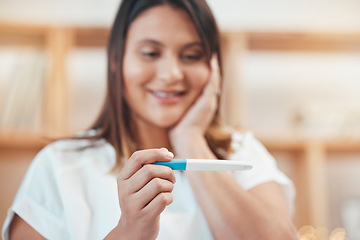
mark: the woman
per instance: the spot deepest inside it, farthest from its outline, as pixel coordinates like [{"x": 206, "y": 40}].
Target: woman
[{"x": 163, "y": 80}]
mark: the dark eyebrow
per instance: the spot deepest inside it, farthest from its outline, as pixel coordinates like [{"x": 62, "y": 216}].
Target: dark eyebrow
[
  {"x": 160, "y": 44},
  {"x": 150, "y": 41},
  {"x": 193, "y": 44}
]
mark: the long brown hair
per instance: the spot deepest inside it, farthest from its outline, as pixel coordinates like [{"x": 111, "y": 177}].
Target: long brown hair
[{"x": 113, "y": 123}]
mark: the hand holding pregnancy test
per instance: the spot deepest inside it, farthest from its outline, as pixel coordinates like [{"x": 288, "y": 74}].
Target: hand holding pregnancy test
[{"x": 206, "y": 165}]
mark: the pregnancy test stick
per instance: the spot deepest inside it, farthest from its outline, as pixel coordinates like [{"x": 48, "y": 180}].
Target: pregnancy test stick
[{"x": 206, "y": 165}]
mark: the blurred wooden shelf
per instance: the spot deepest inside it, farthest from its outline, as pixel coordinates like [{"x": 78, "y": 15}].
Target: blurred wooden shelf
[
  {"x": 345, "y": 145},
  {"x": 311, "y": 154},
  {"x": 18, "y": 139},
  {"x": 299, "y": 144},
  {"x": 12, "y": 33},
  {"x": 15, "y": 34},
  {"x": 21, "y": 141},
  {"x": 304, "y": 41}
]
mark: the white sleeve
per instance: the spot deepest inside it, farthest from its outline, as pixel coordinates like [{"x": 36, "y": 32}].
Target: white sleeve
[
  {"x": 247, "y": 148},
  {"x": 38, "y": 201}
]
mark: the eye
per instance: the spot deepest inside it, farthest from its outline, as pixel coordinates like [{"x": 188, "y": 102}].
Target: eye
[
  {"x": 150, "y": 54},
  {"x": 192, "y": 57}
]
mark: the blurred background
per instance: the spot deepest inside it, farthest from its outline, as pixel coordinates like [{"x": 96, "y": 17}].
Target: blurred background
[{"x": 292, "y": 76}]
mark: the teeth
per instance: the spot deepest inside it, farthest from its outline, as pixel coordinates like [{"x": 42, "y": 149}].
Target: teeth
[{"x": 165, "y": 95}]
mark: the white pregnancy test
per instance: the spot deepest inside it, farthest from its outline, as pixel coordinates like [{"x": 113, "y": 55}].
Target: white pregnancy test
[{"x": 206, "y": 165}]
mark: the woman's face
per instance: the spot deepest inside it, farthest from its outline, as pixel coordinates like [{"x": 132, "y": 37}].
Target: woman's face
[{"x": 165, "y": 67}]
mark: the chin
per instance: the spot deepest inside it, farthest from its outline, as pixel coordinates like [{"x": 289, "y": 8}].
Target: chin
[{"x": 166, "y": 122}]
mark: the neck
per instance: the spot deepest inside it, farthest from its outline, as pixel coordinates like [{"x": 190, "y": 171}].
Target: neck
[{"x": 149, "y": 136}]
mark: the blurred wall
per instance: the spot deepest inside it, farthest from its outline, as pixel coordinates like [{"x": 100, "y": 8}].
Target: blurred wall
[{"x": 307, "y": 15}]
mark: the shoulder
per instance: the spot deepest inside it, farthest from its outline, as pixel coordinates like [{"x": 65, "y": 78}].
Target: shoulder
[
  {"x": 76, "y": 145},
  {"x": 78, "y": 142},
  {"x": 70, "y": 152},
  {"x": 246, "y": 141},
  {"x": 62, "y": 174},
  {"x": 239, "y": 138},
  {"x": 247, "y": 148}
]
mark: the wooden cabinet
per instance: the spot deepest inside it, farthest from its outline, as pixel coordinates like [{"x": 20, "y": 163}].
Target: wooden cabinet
[
  {"x": 56, "y": 42},
  {"x": 309, "y": 155}
]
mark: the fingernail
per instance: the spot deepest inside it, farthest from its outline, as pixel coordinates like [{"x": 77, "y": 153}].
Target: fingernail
[{"x": 169, "y": 155}]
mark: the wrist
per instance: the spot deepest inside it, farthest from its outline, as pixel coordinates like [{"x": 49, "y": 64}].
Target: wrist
[
  {"x": 189, "y": 146},
  {"x": 186, "y": 138},
  {"x": 185, "y": 134},
  {"x": 119, "y": 232}
]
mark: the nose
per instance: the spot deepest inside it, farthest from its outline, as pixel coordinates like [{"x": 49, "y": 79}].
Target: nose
[{"x": 170, "y": 70}]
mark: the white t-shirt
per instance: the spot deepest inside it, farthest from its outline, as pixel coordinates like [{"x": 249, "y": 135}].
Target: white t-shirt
[{"x": 68, "y": 192}]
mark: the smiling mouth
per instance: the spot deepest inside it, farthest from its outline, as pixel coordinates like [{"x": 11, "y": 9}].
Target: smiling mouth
[{"x": 163, "y": 94}]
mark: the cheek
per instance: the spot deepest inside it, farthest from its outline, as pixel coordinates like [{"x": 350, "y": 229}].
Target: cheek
[
  {"x": 199, "y": 77},
  {"x": 136, "y": 74},
  {"x": 131, "y": 70}
]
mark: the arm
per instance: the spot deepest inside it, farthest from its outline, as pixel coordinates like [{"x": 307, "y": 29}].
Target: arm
[
  {"x": 232, "y": 212},
  {"x": 19, "y": 229}
]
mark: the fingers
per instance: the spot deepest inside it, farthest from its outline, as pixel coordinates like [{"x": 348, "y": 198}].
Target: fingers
[
  {"x": 144, "y": 190},
  {"x": 140, "y": 158},
  {"x": 213, "y": 86},
  {"x": 215, "y": 72},
  {"x": 158, "y": 204},
  {"x": 149, "y": 172},
  {"x": 151, "y": 190}
]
